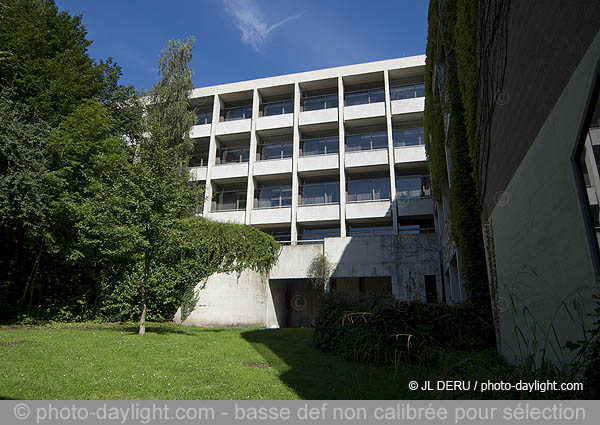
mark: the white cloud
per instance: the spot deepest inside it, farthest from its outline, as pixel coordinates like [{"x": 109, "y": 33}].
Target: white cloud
[{"x": 252, "y": 23}]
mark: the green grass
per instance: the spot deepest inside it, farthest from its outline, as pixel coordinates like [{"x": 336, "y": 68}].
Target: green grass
[{"x": 102, "y": 361}]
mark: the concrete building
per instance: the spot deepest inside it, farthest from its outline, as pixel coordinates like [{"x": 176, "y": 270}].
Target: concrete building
[{"x": 330, "y": 162}]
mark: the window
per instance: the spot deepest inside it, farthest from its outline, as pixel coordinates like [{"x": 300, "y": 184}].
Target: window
[
  {"x": 276, "y": 150},
  {"x": 228, "y": 200},
  {"x": 365, "y": 230},
  {"x": 320, "y": 146},
  {"x": 315, "y": 103},
  {"x": 237, "y": 113},
  {"x": 413, "y": 187},
  {"x": 366, "y": 141},
  {"x": 273, "y": 196},
  {"x": 365, "y": 96},
  {"x": 320, "y": 193},
  {"x": 204, "y": 117},
  {"x": 408, "y": 137},
  {"x": 318, "y": 233},
  {"x": 407, "y": 92},
  {"x": 234, "y": 154},
  {"x": 368, "y": 189},
  {"x": 199, "y": 157},
  {"x": 278, "y": 108}
]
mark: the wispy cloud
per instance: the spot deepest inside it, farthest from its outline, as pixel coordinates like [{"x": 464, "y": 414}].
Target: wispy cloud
[{"x": 252, "y": 23}]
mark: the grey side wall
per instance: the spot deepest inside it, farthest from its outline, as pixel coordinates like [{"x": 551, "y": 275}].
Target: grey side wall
[
  {"x": 545, "y": 43},
  {"x": 542, "y": 265}
]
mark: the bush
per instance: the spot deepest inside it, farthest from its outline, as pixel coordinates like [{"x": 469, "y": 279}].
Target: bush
[{"x": 379, "y": 329}]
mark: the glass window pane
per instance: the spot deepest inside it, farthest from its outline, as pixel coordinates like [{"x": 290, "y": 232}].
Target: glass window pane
[
  {"x": 420, "y": 90},
  {"x": 379, "y": 140},
  {"x": 287, "y": 149},
  {"x": 377, "y": 95},
  {"x": 358, "y": 98},
  {"x": 408, "y": 187}
]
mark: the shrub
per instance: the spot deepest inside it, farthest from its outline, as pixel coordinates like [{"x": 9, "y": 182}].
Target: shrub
[{"x": 379, "y": 329}]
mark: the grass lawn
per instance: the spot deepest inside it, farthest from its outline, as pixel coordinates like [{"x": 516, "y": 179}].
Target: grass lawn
[{"x": 103, "y": 361}]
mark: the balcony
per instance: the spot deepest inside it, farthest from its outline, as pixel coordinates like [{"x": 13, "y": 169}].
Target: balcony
[
  {"x": 319, "y": 193},
  {"x": 319, "y": 153},
  {"x": 198, "y": 173},
  {"x": 410, "y": 154},
  {"x": 413, "y": 196},
  {"x": 235, "y": 120},
  {"x": 364, "y": 104},
  {"x": 318, "y": 213},
  {"x": 368, "y": 198},
  {"x": 366, "y": 149},
  {"x": 274, "y": 158},
  {"x": 408, "y": 99},
  {"x": 319, "y": 109},
  {"x": 272, "y": 204},
  {"x": 229, "y": 205},
  {"x": 198, "y": 131},
  {"x": 231, "y": 162},
  {"x": 276, "y": 115}
]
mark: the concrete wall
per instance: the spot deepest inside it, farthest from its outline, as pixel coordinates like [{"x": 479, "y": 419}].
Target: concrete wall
[
  {"x": 228, "y": 300},
  {"x": 542, "y": 267}
]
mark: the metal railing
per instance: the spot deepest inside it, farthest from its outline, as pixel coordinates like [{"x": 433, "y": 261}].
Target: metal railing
[
  {"x": 199, "y": 160},
  {"x": 319, "y": 193},
  {"x": 319, "y": 146},
  {"x": 275, "y": 150},
  {"x": 273, "y": 197},
  {"x": 236, "y": 113},
  {"x": 366, "y": 141},
  {"x": 409, "y": 91},
  {"x": 408, "y": 137},
  {"x": 363, "y": 190},
  {"x": 233, "y": 155},
  {"x": 278, "y": 108},
  {"x": 315, "y": 103},
  {"x": 229, "y": 200},
  {"x": 362, "y": 97},
  {"x": 204, "y": 118}
]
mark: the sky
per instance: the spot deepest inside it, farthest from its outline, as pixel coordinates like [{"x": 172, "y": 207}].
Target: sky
[{"x": 239, "y": 40}]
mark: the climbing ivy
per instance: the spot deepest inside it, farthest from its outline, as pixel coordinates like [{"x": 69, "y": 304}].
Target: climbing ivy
[{"x": 454, "y": 41}]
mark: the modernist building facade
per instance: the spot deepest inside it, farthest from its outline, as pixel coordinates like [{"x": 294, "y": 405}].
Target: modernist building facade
[{"x": 328, "y": 162}]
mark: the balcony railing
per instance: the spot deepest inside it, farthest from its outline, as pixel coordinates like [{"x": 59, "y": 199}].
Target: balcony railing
[
  {"x": 273, "y": 197},
  {"x": 275, "y": 150},
  {"x": 278, "y": 108},
  {"x": 415, "y": 187},
  {"x": 408, "y": 137},
  {"x": 320, "y": 193},
  {"x": 314, "y": 103},
  {"x": 199, "y": 160},
  {"x": 204, "y": 118},
  {"x": 368, "y": 190},
  {"x": 237, "y": 113},
  {"x": 366, "y": 141},
  {"x": 365, "y": 96},
  {"x": 233, "y": 155},
  {"x": 229, "y": 200},
  {"x": 416, "y": 229},
  {"x": 407, "y": 92},
  {"x": 320, "y": 146}
]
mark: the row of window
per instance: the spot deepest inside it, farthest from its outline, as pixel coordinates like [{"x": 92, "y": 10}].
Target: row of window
[
  {"x": 358, "y": 190},
  {"x": 314, "y": 103},
  {"x": 314, "y": 146}
]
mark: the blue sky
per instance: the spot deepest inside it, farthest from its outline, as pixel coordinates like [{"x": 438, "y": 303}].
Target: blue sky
[{"x": 239, "y": 40}]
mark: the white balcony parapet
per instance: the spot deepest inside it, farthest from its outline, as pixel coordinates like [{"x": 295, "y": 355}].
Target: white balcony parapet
[
  {"x": 408, "y": 106},
  {"x": 271, "y": 215},
  {"x": 233, "y": 170},
  {"x": 318, "y": 116},
  {"x": 368, "y": 209},
  {"x": 198, "y": 131},
  {"x": 198, "y": 173},
  {"x": 366, "y": 158},
  {"x": 233, "y": 127},
  {"x": 237, "y": 216},
  {"x": 318, "y": 162},
  {"x": 410, "y": 154},
  {"x": 273, "y": 166},
  {"x": 326, "y": 212},
  {"x": 414, "y": 206},
  {"x": 367, "y": 110},
  {"x": 274, "y": 121}
]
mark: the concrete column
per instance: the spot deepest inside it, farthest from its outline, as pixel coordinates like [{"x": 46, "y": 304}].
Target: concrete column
[
  {"x": 342, "y": 149},
  {"x": 252, "y": 158},
  {"x": 212, "y": 154},
  {"x": 295, "y": 156},
  {"x": 391, "y": 154}
]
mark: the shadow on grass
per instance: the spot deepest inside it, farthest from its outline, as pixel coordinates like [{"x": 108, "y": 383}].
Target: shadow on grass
[{"x": 313, "y": 374}]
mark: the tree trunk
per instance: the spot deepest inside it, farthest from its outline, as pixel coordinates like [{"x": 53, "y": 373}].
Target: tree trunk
[{"x": 143, "y": 292}]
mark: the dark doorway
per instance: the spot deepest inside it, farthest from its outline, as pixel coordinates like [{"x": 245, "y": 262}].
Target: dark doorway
[
  {"x": 296, "y": 302},
  {"x": 431, "y": 288}
]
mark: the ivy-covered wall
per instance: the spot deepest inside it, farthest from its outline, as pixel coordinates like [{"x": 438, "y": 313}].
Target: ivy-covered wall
[{"x": 451, "y": 96}]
